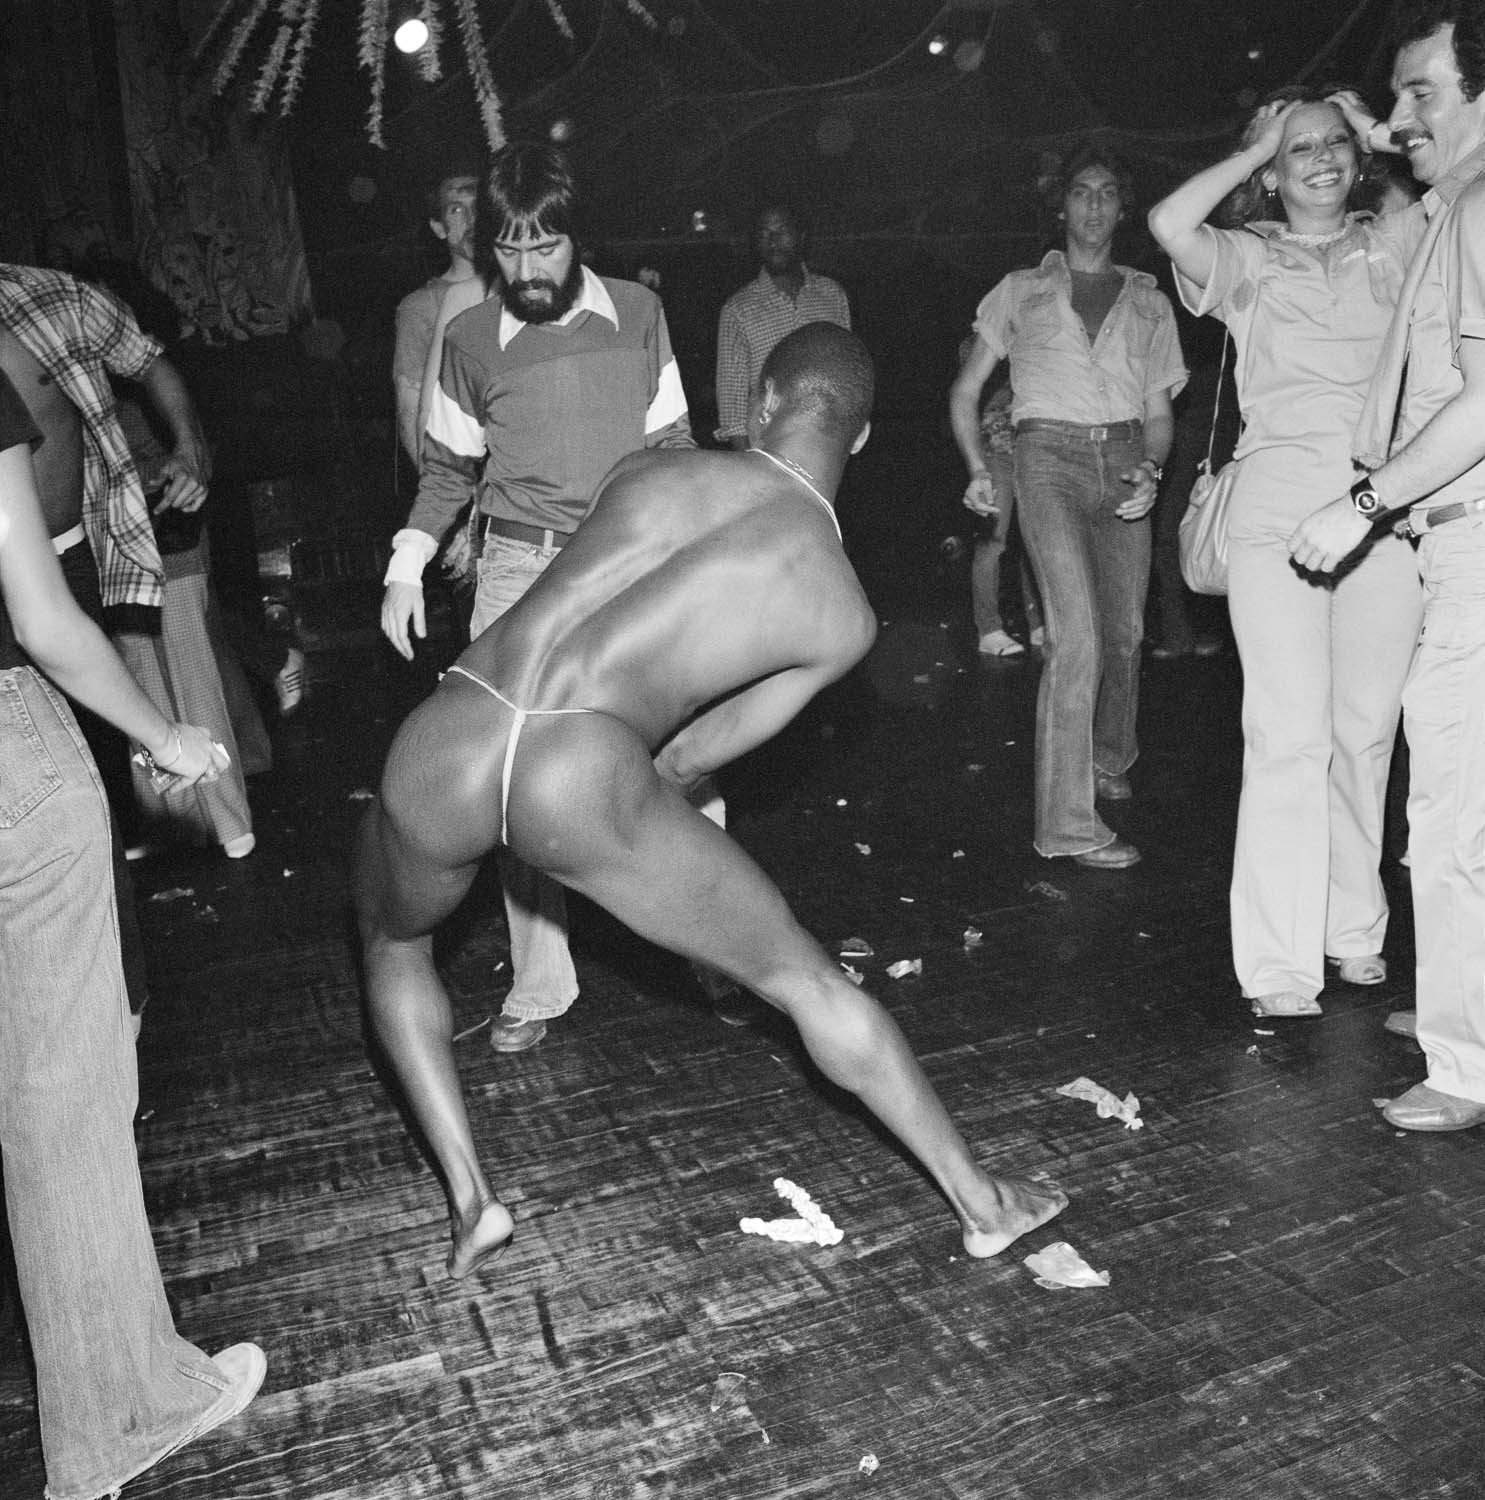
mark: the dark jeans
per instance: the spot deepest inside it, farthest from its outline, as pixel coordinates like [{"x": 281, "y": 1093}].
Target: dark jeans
[{"x": 1093, "y": 570}]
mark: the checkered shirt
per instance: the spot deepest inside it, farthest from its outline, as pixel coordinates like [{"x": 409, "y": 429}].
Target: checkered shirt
[
  {"x": 753, "y": 320},
  {"x": 79, "y": 333}
]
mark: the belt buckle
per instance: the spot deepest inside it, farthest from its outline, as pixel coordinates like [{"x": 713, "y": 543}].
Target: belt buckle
[{"x": 1098, "y": 434}]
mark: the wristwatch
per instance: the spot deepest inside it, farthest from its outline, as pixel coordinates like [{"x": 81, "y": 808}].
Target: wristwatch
[
  {"x": 1367, "y": 501},
  {"x": 1156, "y": 470}
]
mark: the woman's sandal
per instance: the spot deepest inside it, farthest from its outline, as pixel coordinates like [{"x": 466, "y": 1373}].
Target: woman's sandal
[
  {"x": 1368, "y": 968},
  {"x": 1284, "y": 1004}
]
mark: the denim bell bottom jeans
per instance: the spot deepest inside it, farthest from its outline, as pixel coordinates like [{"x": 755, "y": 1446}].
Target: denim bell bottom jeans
[
  {"x": 1093, "y": 570},
  {"x": 117, "y": 1387}
]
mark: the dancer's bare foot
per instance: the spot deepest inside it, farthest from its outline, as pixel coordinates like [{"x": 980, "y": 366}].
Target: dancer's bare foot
[
  {"x": 485, "y": 1233},
  {"x": 1019, "y": 1206}
]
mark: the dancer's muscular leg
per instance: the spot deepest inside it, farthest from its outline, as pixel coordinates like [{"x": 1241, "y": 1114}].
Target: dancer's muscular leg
[
  {"x": 606, "y": 825},
  {"x": 401, "y": 894}
]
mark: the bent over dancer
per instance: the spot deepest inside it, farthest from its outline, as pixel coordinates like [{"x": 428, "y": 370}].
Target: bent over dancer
[{"x": 703, "y": 602}]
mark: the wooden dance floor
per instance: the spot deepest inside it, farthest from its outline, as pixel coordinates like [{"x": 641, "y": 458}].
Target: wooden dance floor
[{"x": 1296, "y": 1297}]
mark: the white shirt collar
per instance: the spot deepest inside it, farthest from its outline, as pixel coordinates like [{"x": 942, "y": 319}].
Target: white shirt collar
[{"x": 593, "y": 298}]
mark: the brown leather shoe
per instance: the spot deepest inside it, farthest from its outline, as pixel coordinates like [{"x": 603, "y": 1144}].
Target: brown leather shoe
[
  {"x": 1112, "y": 786},
  {"x": 1116, "y": 856},
  {"x": 1424, "y": 1108}
]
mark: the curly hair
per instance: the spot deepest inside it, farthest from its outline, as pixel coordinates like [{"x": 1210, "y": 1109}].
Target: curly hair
[
  {"x": 1056, "y": 177},
  {"x": 1417, "y": 20},
  {"x": 1250, "y": 200}
]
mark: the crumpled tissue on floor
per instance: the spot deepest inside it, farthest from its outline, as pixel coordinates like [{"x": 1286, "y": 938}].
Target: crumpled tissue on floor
[
  {"x": 813, "y": 1226},
  {"x": 1060, "y": 1265},
  {"x": 1110, "y": 1107}
]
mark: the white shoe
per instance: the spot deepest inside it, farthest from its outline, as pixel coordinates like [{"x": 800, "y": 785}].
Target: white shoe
[
  {"x": 999, "y": 643},
  {"x": 240, "y": 847}
]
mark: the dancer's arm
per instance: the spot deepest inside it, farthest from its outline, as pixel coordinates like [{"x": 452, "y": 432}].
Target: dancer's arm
[
  {"x": 67, "y": 646},
  {"x": 751, "y": 717},
  {"x": 964, "y": 419},
  {"x": 1178, "y": 221}
]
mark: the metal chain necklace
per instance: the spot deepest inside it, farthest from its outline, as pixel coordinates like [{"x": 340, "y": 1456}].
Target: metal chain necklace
[{"x": 804, "y": 476}]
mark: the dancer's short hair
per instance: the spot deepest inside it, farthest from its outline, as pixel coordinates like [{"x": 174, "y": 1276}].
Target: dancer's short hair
[{"x": 824, "y": 371}]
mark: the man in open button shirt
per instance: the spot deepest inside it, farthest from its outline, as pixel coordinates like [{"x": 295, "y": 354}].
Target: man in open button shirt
[
  {"x": 544, "y": 387},
  {"x": 1095, "y": 363}
]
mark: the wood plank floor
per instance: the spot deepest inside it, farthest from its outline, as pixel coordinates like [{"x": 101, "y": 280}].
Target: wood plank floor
[{"x": 1297, "y": 1297}]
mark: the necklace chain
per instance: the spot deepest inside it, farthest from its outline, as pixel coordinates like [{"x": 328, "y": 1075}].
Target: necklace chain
[{"x": 802, "y": 474}]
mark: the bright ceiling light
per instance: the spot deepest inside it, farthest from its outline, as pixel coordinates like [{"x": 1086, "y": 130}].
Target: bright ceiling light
[{"x": 411, "y": 36}]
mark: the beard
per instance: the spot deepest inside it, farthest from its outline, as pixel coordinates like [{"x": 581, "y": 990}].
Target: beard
[{"x": 551, "y": 303}]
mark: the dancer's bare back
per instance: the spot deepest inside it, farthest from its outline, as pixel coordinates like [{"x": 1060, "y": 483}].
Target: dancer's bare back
[{"x": 694, "y": 575}]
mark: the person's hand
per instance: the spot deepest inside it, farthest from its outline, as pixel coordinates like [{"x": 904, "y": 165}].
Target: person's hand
[
  {"x": 188, "y": 755},
  {"x": 402, "y": 604},
  {"x": 979, "y": 495},
  {"x": 458, "y": 554},
  {"x": 184, "y": 474},
  {"x": 1327, "y": 536},
  {"x": 1144, "y": 485},
  {"x": 1265, "y": 131},
  {"x": 1358, "y": 116}
]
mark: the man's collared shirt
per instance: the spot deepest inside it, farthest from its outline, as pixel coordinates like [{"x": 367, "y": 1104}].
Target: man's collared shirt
[
  {"x": 753, "y": 320},
  {"x": 548, "y": 408},
  {"x": 1449, "y": 306},
  {"x": 78, "y": 333},
  {"x": 1055, "y": 372}
]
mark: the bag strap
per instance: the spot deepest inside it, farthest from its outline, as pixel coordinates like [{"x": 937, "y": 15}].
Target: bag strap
[{"x": 1217, "y": 397}]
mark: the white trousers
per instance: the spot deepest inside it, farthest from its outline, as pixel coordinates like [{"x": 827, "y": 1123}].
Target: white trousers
[
  {"x": 1444, "y": 707},
  {"x": 1323, "y": 672}
]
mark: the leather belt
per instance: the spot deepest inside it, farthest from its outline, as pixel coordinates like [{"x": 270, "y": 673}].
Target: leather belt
[
  {"x": 1110, "y": 432},
  {"x": 519, "y": 531},
  {"x": 1416, "y": 522}
]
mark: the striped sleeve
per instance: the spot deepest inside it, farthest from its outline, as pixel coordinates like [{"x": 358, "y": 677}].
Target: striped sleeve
[{"x": 667, "y": 421}]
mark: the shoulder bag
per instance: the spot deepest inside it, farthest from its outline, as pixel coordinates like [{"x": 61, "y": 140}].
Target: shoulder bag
[{"x": 1203, "y": 532}]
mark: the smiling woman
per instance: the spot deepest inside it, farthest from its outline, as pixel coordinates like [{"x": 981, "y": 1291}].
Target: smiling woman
[{"x": 1307, "y": 298}]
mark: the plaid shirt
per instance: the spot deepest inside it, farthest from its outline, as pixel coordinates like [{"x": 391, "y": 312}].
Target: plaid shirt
[
  {"x": 78, "y": 333},
  {"x": 754, "y": 320}
]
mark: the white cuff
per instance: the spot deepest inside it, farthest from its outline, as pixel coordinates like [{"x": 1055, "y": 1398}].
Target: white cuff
[{"x": 412, "y": 551}]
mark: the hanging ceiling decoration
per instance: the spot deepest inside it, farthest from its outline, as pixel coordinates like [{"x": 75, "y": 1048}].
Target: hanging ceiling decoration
[{"x": 282, "y": 68}]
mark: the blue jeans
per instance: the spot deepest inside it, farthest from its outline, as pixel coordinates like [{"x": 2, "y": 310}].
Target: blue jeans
[
  {"x": 543, "y": 980},
  {"x": 117, "y": 1388},
  {"x": 1093, "y": 570}
]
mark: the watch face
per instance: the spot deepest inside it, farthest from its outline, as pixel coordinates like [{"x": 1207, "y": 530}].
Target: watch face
[{"x": 1366, "y": 500}]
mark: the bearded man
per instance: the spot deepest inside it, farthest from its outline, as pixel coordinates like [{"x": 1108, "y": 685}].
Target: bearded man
[{"x": 544, "y": 386}]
